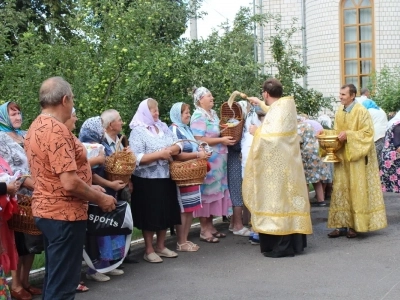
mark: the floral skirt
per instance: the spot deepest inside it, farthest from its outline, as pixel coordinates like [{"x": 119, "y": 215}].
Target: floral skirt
[{"x": 4, "y": 290}]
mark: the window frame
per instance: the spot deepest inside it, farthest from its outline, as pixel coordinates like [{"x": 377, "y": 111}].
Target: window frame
[{"x": 357, "y": 42}]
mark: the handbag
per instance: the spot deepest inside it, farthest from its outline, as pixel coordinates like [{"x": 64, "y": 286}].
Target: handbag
[{"x": 116, "y": 222}]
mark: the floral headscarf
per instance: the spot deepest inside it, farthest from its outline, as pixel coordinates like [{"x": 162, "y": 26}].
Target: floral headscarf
[
  {"x": 176, "y": 118},
  {"x": 144, "y": 118},
  {"x": 92, "y": 131},
  {"x": 5, "y": 122}
]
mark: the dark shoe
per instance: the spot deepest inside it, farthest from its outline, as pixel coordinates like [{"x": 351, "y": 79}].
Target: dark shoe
[
  {"x": 33, "y": 291},
  {"x": 336, "y": 233},
  {"x": 351, "y": 234},
  {"x": 130, "y": 260},
  {"x": 274, "y": 254},
  {"x": 319, "y": 204},
  {"x": 21, "y": 295}
]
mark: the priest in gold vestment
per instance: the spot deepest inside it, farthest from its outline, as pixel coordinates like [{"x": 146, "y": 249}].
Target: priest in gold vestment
[
  {"x": 274, "y": 185},
  {"x": 357, "y": 202}
]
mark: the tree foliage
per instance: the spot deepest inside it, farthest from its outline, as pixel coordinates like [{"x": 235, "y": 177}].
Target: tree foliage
[{"x": 116, "y": 53}]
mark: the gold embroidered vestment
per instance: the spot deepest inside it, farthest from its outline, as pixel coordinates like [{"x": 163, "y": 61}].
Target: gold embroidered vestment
[{"x": 274, "y": 185}]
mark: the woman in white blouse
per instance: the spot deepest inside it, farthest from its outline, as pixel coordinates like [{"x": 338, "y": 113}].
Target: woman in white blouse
[{"x": 154, "y": 199}]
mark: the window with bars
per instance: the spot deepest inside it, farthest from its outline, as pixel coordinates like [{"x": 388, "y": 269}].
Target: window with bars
[{"x": 357, "y": 42}]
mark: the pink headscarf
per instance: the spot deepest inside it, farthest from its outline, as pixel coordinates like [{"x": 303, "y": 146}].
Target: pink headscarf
[{"x": 144, "y": 118}]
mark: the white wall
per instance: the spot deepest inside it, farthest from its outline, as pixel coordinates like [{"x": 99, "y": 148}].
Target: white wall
[{"x": 323, "y": 37}]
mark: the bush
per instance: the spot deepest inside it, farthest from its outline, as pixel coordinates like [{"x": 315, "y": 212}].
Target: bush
[{"x": 385, "y": 88}]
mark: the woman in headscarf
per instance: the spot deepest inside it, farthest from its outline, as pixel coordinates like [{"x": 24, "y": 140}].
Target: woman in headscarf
[
  {"x": 12, "y": 150},
  {"x": 155, "y": 204},
  {"x": 103, "y": 249},
  {"x": 215, "y": 195},
  {"x": 390, "y": 167},
  {"x": 189, "y": 196}
]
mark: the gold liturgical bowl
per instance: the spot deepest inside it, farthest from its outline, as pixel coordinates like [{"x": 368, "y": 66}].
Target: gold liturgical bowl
[{"x": 329, "y": 141}]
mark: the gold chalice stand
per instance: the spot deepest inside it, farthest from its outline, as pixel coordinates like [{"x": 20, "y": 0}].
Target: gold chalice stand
[{"x": 328, "y": 141}]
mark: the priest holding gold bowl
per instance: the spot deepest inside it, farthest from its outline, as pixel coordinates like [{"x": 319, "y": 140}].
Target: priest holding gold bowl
[
  {"x": 357, "y": 202},
  {"x": 329, "y": 142}
]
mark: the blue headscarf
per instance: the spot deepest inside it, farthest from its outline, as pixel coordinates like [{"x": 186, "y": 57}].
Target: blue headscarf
[
  {"x": 370, "y": 104},
  {"x": 5, "y": 122},
  {"x": 92, "y": 131},
  {"x": 176, "y": 118}
]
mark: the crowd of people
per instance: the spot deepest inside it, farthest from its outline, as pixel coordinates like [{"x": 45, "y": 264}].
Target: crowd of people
[{"x": 267, "y": 174}]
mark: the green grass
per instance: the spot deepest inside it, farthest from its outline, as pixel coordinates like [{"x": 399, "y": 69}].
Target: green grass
[{"x": 39, "y": 261}]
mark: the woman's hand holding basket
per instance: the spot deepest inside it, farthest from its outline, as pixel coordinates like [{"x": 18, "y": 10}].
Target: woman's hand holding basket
[
  {"x": 13, "y": 187},
  {"x": 228, "y": 141},
  {"x": 117, "y": 185},
  {"x": 166, "y": 154},
  {"x": 202, "y": 154}
]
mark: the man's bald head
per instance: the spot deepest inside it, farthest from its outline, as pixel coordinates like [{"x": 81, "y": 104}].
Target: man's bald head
[{"x": 53, "y": 90}]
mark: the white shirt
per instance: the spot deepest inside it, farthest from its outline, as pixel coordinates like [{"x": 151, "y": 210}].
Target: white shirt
[
  {"x": 361, "y": 99},
  {"x": 380, "y": 121},
  {"x": 247, "y": 137}
]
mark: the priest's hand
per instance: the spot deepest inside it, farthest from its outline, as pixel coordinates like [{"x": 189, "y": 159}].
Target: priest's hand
[
  {"x": 254, "y": 100},
  {"x": 342, "y": 136},
  {"x": 253, "y": 129}
]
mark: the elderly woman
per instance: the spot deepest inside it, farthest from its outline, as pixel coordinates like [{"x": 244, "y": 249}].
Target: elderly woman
[
  {"x": 8, "y": 252},
  {"x": 390, "y": 167},
  {"x": 12, "y": 150},
  {"x": 314, "y": 168},
  {"x": 108, "y": 248},
  {"x": 214, "y": 191},
  {"x": 189, "y": 196},
  {"x": 154, "y": 199}
]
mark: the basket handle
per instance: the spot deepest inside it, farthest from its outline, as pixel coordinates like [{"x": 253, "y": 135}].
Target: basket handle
[
  {"x": 117, "y": 145},
  {"x": 193, "y": 141}
]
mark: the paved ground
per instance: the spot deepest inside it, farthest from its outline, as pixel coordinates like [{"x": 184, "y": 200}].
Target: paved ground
[{"x": 364, "y": 268}]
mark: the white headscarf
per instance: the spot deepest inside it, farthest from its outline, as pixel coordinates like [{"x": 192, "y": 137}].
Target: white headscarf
[
  {"x": 325, "y": 120},
  {"x": 197, "y": 95}
]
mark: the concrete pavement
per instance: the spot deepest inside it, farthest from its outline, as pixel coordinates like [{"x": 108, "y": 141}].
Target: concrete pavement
[{"x": 367, "y": 267}]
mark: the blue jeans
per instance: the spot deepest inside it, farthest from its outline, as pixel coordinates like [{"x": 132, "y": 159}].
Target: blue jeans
[{"x": 63, "y": 247}]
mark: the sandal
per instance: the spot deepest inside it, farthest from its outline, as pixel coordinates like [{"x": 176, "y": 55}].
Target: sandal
[
  {"x": 351, "y": 234},
  {"x": 218, "y": 234},
  {"x": 187, "y": 247},
  {"x": 210, "y": 239},
  {"x": 82, "y": 288},
  {"x": 193, "y": 244}
]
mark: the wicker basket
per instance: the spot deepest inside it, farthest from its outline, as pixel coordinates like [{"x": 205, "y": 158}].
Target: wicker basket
[
  {"x": 120, "y": 165},
  {"x": 190, "y": 172},
  {"x": 231, "y": 112},
  {"x": 23, "y": 220}
]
